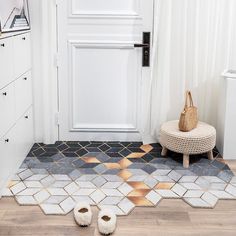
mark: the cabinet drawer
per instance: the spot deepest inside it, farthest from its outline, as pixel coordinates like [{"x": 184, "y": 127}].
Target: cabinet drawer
[
  {"x": 22, "y": 56},
  {"x": 7, "y": 105},
  {"x": 6, "y": 63},
  {"x": 15, "y": 145},
  {"x": 23, "y": 92}
]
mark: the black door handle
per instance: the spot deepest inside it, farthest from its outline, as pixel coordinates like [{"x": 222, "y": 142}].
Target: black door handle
[{"x": 141, "y": 45}]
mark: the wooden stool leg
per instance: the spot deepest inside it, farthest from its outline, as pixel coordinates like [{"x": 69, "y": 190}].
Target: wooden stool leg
[
  {"x": 210, "y": 155},
  {"x": 164, "y": 151},
  {"x": 186, "y": 161}
]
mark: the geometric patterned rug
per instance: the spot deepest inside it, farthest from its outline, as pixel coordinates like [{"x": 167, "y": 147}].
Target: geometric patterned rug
[{"x": 118, "y": 175}]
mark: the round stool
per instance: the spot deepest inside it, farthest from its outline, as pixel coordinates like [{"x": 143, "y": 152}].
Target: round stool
[{"x": 198, "y": 141}]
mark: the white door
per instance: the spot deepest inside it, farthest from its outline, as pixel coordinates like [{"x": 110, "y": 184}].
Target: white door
[{"x": 101, "y": 75}]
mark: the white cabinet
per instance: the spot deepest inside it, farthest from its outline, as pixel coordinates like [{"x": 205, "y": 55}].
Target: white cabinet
[
  {"x": 16, "y": 115},
  {"x": 6, "y": 64},
  {"x": 22, "y": 56}
]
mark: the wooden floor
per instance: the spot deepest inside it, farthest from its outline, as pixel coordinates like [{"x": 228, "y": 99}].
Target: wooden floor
[{"x": 170, "y": 217}]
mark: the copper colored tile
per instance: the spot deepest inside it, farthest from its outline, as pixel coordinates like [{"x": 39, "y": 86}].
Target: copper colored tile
[
  {"x": 146, "y": 148},
  {"x": 138, "y": 185},
  {"x": 140, "y": 201},
  {"x": 112, "y": 165},
  {"x": 91, "y": 160},
  {"x": 164, "y": 185},
  {"x": 12, "y": 183},
  {"x": 139, "y": 193},
  {"x": 136, "y": 155},
  {"x": 125, "y": 174},
  {"x": 124, "y": 163}
]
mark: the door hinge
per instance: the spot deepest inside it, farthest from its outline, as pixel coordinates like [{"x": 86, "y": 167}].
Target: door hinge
[
  {"x": 57, "y": 119},
  {"x": 56, "y": 60}
]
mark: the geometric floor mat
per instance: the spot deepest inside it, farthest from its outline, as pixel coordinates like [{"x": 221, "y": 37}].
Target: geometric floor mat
[{"x": 118, "y": 175}]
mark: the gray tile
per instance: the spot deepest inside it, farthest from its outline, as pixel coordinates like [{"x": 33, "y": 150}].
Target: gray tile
[
  {"x": 231, "y": 190},
  {"x": 126, "y": 206},
  {"x": 71, "y": 188},
  {"x": 41, "y": 196},
  {"x": 188, "y": 179},
  {"x": 87, "y": 177},
  {"x": 99, "y": 181},
  {"x": 85, "y": 184},
  {"x": 60, "y": 184},
  {"x": 167, "y": 193},
  {"x": 111, "y": 185},
  {"x": 97, "y": 196},
  {"x": 193, "y": 194},
  {"x": 100, "y": 168},
  {"x": 191, "y": 186},
  {"x": 37, "y": 177},
  {"x": 55, "y": 199},
  {"x": 61, "y": 177},
  {"x": 164, "y": 179},
  {"x": 225, "y": 176},
  {"x": 40, "y": 171},
  {"x": 150, "y": 181},
  {"x": 113, "y": 178},
  {"x": 174, "y": 175},
  {"x": 179, "y": 189},
  {"x": 221, "y": 194},
  {"x": 161, "y": 172},
  {"x": 218, "y": 186},
  {"x": 203, "y": 183},
  {"x": 137, "y": 178},
  {"x": 197, "y": 202},
  {"x": 47, "y": 181},
  {"x": 33, "y": 184},
  {"x": 111, "y": 200},
  {"x": 209, "y": 198},
  {"x": 112, "y": 192},
  {"x": 125, "y": 189},
  {"x": 18, "y": 188},
  {"x": 75, "y": 174},
  {"x": 25, "y": 174}
]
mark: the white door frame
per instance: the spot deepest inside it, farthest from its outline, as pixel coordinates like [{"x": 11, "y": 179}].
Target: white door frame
[{"x": 49, "y": 76}]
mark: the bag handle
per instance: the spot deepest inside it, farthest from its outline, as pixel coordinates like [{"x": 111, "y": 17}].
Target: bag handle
[{"x": 188, "y": 99}]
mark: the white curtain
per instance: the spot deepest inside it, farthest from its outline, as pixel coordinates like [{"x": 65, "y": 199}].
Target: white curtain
[{"x": 193, "y": 43}]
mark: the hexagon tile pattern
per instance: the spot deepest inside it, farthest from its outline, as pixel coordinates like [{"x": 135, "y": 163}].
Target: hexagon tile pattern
[{"x": 118, "y": 175}]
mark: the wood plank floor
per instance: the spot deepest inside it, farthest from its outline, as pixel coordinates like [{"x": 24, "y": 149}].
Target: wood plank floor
[{"x": 170, "y": 217}]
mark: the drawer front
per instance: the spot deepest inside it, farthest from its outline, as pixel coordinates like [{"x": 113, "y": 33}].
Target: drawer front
[
  {"x": 23, "y": 91},
  {"x": 15, "y": 145},
  {"x": 22, "y": 56},
  {"x": 7, "y": 105},
  {"x": 6, "y": 63}
]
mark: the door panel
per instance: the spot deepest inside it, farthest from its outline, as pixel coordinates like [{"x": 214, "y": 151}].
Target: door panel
[{"x": 101, "y": 76}]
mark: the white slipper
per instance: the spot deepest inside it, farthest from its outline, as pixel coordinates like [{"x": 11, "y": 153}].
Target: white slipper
[
  {"x": 83, "y": 214},
  {"x": 106, "y": 222}
]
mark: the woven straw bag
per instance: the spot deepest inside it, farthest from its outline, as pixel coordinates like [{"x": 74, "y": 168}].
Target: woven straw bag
[{"x": 188, "y": 118}]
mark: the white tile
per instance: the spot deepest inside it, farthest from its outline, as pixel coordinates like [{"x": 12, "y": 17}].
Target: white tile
[
  {"x": 218, "y": 186},
  {"x": 111, "y": 185},
  {"x": 41, "y": 196},
  {"x": 52, "y": 209},
  {"x": 26, "y": 200},
  {"x": 179, "y": 189},
  {"x": 61, "y": 177},
  {"x": 6, "y": 192},
  {"x": 87, "y": 177},
  {"x": 221, "y": 194},
  {"x": 71, "y": 188},
  {"x": 137, "y": 178},
  {"x": 203, "y": 183},
  {"x": 153, "y": 197},
  {"x": 165, "y": 193},
  {"x": 164, "y": 179},
  {"x": 112, "y": 192},
  {"x": 197, "y": 202},
  {"x": 174, "y": 175},
  {"x": 29, "y": 192},
  {"x": 47, "y": 181},
  {"x": 113, "y": 178},
  {"x": 99, "y": 181},
  {"x": 111, "y": 201},
  {"x": 233, "y": 180},
  {"x": 25, "y": 174},
  {"x": 161, "y": 172},
  {"x": 209, "y": 198},
  {"x": 18, "y": 188},
  {"x": 60, "y": 184},
  {"x": 86, "y": 199},
  {"x": 21, "y": 170},
  {"x": 126, "y": 206},
  {"x": 231, "y": 190},
  {"x": 193, "y": 193},
  {"x": 15, "y": 178},
  {"x": 85, "y": 184},
  {"x": 191, "y": 186},
  {"x": 37, "y": 177},
  {"x": 33, "y": 184},
  {"x": 68, "y": 205},
  {"x": 150, "y": 182},
  {"x": 55, "y": 199},
  {"x": 115, "y": 209},
  {"x": 125, "y": 189},
  {"x": 84, "y": 192},
  {"x": 97, "y": 196},
  {"x": 213, "y": 179},
  {"x": 57, "y": 191},
  {"x": 138, "y": 172},
  {"x": 188, "y": 179}
]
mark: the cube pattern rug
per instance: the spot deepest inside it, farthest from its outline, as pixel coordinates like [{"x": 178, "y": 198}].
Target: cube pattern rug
[{"x": 118, "y": 175}]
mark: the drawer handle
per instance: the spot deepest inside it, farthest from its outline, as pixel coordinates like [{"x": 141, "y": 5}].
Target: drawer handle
[
  {"x": 7, "y": 140},
  {"x": 23, "y": 38},
  {"x": 26, "y": 117},
  {"x": 3, "y": 45},
  {"x": 25, "y": 78},
  {"x": 4, "y": 94}
]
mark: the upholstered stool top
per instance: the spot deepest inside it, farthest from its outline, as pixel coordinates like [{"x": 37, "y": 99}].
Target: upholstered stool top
[{"x": 200, "y": 140}]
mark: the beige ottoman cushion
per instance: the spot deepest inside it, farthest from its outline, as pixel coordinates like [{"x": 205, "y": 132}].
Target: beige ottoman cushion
[{"x": 198, "y": 141}]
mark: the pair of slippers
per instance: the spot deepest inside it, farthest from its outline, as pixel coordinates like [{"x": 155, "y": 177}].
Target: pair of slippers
[{"x": 106, "y": 218}]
